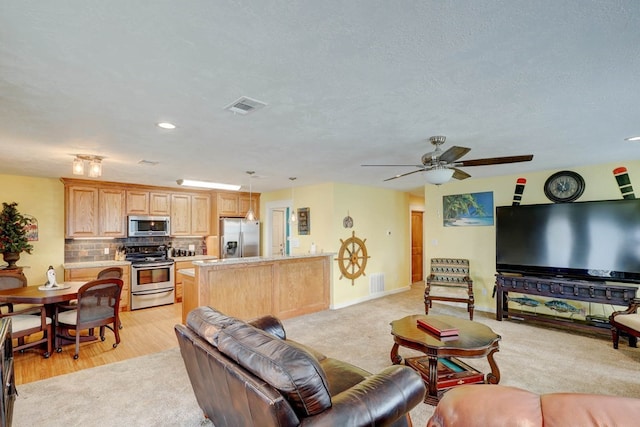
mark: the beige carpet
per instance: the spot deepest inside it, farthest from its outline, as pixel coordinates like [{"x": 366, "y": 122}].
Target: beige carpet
[{"x": 155, "y": 391}]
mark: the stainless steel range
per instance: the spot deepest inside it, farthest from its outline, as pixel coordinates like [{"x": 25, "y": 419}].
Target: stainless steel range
[{"x": 152, "y": 276}]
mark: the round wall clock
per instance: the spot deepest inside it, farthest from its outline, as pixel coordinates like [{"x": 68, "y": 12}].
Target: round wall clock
[{"x": 564, "y": 186}]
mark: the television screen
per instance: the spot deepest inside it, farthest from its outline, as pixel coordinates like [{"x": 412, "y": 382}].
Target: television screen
[{"x": 585, "y": 240}]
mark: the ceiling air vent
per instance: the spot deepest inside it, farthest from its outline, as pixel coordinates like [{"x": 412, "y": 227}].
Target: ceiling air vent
[{"x": 245, "y": 105}]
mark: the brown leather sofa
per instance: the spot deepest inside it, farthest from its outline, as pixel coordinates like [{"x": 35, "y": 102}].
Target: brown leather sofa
[
  {"x": 250, "y": 374},
  {"x": 487, "y": 405}
]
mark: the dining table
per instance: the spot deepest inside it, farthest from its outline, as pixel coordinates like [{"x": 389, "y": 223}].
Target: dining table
[
  {"x": 65, "y": 292},
  {"x": 34, "y": 295}
]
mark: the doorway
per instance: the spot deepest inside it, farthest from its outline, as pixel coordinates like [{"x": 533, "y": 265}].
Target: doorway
[
  {"x": 278, "y": 232},
  {"x": 417, "y": 261}
]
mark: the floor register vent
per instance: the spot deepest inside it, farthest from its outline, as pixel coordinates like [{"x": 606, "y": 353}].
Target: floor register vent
[
  {"x": 245, "y": 105},
  {"x": 376, "y": 283}
]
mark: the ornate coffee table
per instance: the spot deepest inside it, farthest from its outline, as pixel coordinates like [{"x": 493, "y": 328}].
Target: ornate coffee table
[{"x": 473, "y": 340}]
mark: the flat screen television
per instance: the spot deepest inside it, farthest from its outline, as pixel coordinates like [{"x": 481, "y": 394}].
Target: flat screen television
[{"x": 581, "y": 240}]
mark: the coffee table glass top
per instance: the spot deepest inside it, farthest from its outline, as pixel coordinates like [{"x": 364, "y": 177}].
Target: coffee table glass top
[{"x": 471, "y": 334}]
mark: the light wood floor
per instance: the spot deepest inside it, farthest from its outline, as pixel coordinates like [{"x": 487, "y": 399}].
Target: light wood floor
[{"x": 144, "y": 332}]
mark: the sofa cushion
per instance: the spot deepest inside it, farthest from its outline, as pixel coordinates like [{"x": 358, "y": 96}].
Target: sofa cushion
[
  {"x": 288, "y": 368},
  {"x": 207, "y": 322}
]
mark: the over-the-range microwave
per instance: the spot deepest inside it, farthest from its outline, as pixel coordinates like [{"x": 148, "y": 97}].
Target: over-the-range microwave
[{"x": 141, "y": 226}]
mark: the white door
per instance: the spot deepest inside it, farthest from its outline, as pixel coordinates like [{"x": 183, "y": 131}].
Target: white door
[{"x": 278, "y": 232}]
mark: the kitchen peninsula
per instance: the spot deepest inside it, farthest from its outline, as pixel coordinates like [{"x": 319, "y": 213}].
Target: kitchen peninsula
[{"x": 283, "y": 286}]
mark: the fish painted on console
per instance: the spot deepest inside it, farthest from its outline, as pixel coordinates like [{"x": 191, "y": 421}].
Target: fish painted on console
[
  {"x": 529, "y": 302},
  {"x": 563, "y": 307}
]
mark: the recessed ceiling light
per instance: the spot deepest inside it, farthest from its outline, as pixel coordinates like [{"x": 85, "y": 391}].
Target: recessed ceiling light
[
  {"x": 166, "y": 125},
  {"x": 207, "y": 184},
  {"x": 633, "y": 138}
]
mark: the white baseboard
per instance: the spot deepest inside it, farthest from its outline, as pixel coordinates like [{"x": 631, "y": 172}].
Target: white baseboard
[{"x": 369, "y": 297}]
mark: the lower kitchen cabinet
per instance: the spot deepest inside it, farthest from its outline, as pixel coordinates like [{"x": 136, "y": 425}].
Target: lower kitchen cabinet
[{"x": 91, "y": 273}]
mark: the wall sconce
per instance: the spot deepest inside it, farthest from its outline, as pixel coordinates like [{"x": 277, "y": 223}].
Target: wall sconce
[
  {"x": 292, "y": 218},
  {"x": 95, "y": 165}
]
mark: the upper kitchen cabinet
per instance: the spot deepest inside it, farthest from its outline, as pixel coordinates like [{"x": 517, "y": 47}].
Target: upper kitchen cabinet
[
  {"x": 81, "y": 211},
  {"x": 92, "y": 211},
  {"x": 111, "y": 212},
  {"x": 140, "y": 202},
  {"x": 190, "y": 214},
  {"x": 236, "y": 204}
]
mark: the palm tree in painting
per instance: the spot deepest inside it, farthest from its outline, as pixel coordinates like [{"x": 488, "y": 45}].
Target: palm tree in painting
[{"x": 459, "y": 205}]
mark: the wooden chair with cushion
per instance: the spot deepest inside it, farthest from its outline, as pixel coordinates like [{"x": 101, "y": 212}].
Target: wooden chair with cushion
[
  {"x": 628, "y": 322},
  {"x": 98, "y": 306},
  {"x": 111, "y": 273},
  {"x": 30, "y": 321},
  {"x": 449, "y": 281},
  {"x": 11, "y": 279}
]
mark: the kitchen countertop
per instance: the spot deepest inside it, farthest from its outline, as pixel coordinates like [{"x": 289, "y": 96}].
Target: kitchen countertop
[
  {"x": 191, "y": 272},
  {"x": 90, "y": 264},
  {"x": 260, "y": 259},
  {"x": 194, "y": 258}
]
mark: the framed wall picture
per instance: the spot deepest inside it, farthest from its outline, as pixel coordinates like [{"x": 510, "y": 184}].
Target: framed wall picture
[
  {"x": 304, "y": 222},
  {"x": 468, "y": 209}
]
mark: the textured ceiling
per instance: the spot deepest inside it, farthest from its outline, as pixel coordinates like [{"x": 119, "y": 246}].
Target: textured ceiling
[{"x": 345, "y": 82}]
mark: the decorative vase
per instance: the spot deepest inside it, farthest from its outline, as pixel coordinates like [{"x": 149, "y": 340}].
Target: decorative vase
[{"x": 11, "y": 258}]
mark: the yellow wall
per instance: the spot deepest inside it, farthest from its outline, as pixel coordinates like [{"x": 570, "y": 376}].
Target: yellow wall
[
  {"x": 375, "y": 212},
  {"x": 478, "y": 243},
  {"x": 43, "y": 199}
]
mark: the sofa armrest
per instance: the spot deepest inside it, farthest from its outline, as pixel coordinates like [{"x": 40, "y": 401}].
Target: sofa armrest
[
  {"x": 380, "y": 399},
  {"x": 270, "y": 324}
]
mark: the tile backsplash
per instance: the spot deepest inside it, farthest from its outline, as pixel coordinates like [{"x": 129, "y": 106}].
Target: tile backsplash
[{"x": 80, "y": 250}]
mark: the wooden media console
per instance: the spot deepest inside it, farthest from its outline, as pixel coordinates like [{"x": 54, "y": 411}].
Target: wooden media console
[{"x": 561, "y": 289}]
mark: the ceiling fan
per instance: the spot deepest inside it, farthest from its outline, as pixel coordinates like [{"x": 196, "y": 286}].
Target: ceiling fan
[{"x": 440, "y": 166}]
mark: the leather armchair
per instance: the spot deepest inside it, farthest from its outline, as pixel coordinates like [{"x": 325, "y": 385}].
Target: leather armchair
[
  {"x": 250, "y": 374},
  {"x": 489, "y": 405}
]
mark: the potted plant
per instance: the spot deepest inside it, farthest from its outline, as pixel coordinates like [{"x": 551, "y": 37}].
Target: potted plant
[{"x": 13, "y": 234}]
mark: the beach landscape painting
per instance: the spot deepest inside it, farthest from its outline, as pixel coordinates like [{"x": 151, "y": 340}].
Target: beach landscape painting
[{"x": 469, "y": 209}]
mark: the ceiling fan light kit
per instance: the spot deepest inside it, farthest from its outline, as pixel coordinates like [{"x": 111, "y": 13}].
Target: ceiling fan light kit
[
  {"x": 438, "y": 175},
  {"x": 439, "y": 166}
]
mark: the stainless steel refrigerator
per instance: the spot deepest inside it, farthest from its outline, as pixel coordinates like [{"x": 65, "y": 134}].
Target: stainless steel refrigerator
[{"x": 239, "y": 238}]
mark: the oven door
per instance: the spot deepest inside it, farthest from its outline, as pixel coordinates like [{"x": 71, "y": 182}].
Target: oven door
[{"x": 152, "y": 283}]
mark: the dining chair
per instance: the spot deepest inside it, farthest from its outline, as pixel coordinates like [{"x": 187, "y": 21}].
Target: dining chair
[
  {"x": 111, "y": 273},
  {"x": 98, "y": 306},
  {"x": 11, "y": 279},
  {"x": 27, "y": 322}
]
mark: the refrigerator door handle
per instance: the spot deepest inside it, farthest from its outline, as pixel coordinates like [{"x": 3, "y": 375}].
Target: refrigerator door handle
[{"x": 241, "y": 245}]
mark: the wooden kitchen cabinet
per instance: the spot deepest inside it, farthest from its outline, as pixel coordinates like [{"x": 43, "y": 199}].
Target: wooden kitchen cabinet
[
  {"x": 81, "y": 211},
  {"x": 180, "y": 214},
  {"x": 179, "y": 278},
  {"x": 237, "y": 204},
  {"x": 111, "y": 212},
  {"x": 190, "y": 214},
  {"x": 94, "y": 212},
  {"x": 91, "y": 273},
  {"x": 200, "y": 215},
  {"x": 140, "y": 202}
]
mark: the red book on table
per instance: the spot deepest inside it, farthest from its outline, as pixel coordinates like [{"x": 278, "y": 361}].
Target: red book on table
[{"x": 438, "y": 327}]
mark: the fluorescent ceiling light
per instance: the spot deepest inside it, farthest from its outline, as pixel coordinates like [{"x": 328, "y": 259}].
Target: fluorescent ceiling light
[
  {"x": 166, "y": 125},
  {"x": 207, "y": 184},
  {"x": 633, "y": 138}
]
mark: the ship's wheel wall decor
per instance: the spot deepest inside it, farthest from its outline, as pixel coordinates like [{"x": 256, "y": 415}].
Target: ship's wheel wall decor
[{"x": 352, "y": 257}]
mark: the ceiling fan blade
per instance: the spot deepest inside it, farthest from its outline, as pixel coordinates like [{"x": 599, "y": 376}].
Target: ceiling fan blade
[
  {"x": 495, "y": 160},
  {"x": 460, "y": 174},
  {"x": 416, "y": 166},
  {"x": 453, "y": 154},
  {"x": 404, "y": 174}
]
